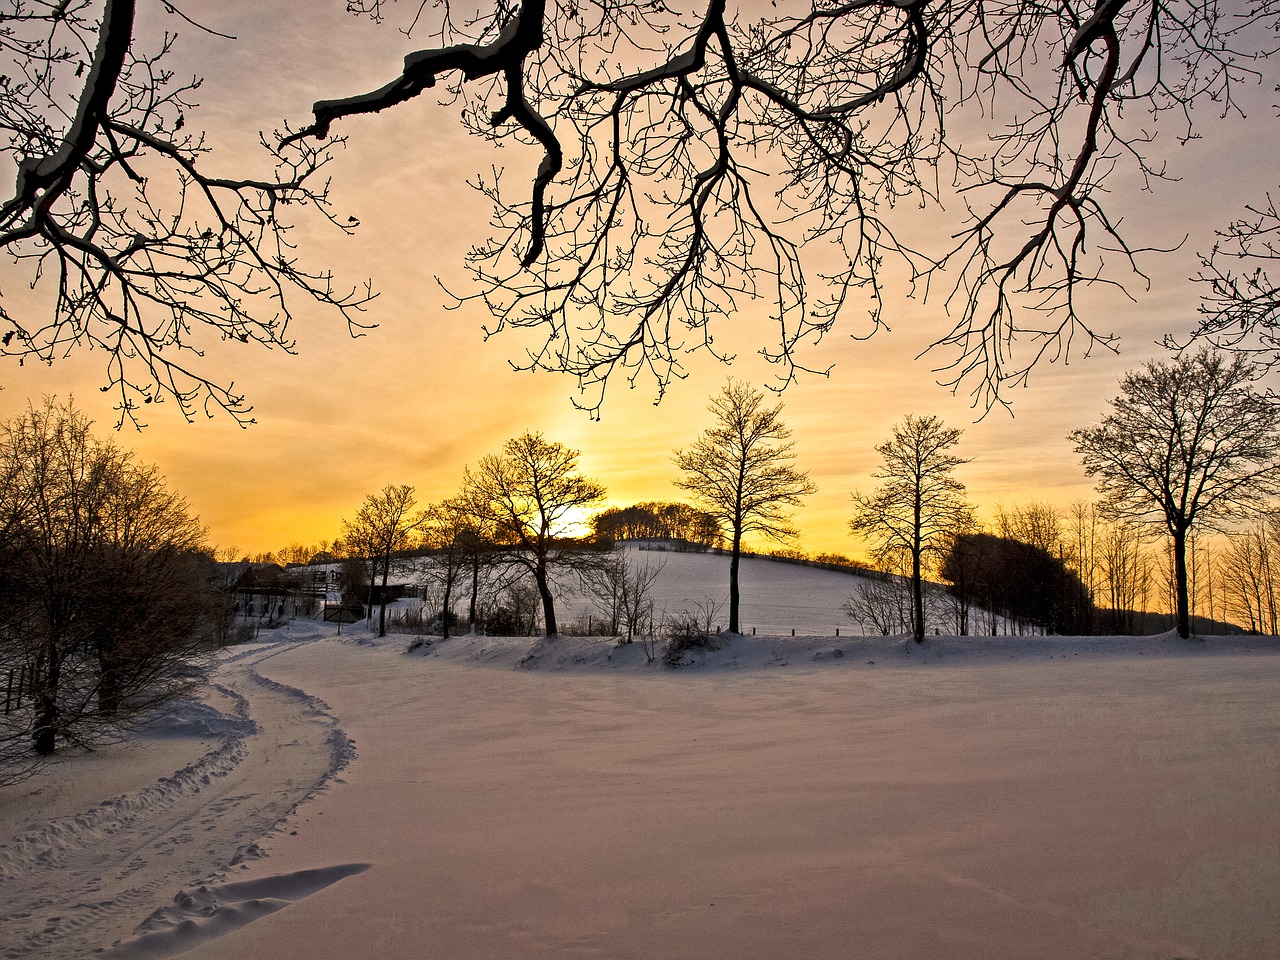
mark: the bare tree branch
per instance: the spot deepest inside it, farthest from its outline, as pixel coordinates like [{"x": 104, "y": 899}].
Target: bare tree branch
[
  {"x": 130, "y": 247},
  {"x": 707, "y": 162}
]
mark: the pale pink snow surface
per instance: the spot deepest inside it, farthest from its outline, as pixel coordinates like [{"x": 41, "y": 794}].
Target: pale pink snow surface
[{"x": 977, "y": 798}]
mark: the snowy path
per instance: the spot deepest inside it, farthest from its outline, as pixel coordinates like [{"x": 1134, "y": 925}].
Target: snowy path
[{"x": 74, "y": 884}]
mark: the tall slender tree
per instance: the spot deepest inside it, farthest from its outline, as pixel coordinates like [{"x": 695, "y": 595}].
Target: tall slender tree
[
  {"x": 919, "y": 506},
  {"x": 1189, "y": 443},
  {"x": 741, "y": 471}
]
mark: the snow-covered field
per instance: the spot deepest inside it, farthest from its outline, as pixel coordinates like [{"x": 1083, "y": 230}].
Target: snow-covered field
[
  {"x": 974, "y": 798},
  {"x": 776, "y": 597}
]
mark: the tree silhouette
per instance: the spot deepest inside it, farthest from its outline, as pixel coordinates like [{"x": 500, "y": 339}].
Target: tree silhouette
[
  {"x": 530, "y": 495},
  {"x": 696, "y": 157},
  {"x": 1188, "y": 443},
  {"x": 741, "y": 472},
  {"x": 692, "y": 160},
  {"x": 137, "y": 250},
  {"x": 1241, "y": 310},
  {"x": 919, "y": 507}
]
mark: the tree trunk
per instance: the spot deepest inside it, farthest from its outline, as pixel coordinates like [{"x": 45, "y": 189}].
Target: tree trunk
[
  {"x": 444, "y": 612},
  {"x": 382, "y": 600},
  {"x": 475, "y": 593},
  {"x": 917, "y": 595},
  {"x": 45, "y": 681},
  {"x": 548, "y": 601},
  {"x": 1180, "y": 579},
  {"x": 733, "y": 579}
]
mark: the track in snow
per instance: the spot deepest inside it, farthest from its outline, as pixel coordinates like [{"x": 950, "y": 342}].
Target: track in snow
[{"x": 127, "y": 856}]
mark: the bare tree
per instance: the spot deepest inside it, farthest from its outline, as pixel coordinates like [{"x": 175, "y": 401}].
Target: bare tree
[
  {"x": 104, "y": 581},
  {"x": 741, "y": 472},
  {"x": 920, "y": 506},
  {"x": 383, "y": 526},
  {"x": 1189, "y": 444},
  {"x": 531, "y": 495}
]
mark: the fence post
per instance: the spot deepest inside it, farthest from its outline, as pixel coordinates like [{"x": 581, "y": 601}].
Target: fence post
[
  {"x": 793, "y": 631},
  {"x": 837, "y": 631}
]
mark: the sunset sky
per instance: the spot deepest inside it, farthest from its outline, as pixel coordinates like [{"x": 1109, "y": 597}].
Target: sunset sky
[{"x": 422, "y": 396}]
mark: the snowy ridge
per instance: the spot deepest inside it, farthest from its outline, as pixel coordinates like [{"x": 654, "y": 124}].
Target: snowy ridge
[{"x": 729, "y": 652}]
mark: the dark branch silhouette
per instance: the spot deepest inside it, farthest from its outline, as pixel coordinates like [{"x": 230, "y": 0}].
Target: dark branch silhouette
[
  {"x": 689, "y": 170},
  {"x": 1241, "y": 310},
  {"x": 130, "y": 246},
  {"x": 697, "y": 163}
]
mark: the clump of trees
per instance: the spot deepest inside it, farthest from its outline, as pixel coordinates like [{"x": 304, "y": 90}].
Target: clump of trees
[
  {"x": 1015, "y": 580},
  {"x": 654, "y": 520},
  {"x": 106, "y": 589}
]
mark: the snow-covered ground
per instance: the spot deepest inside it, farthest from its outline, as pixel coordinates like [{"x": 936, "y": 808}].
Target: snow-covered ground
[
  {"x": 819, "y": 798},
  {"x": 776, "y": 597}
]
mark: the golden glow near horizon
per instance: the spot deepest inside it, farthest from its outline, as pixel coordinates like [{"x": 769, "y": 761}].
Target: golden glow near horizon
[{"x": 422, "y": 396}]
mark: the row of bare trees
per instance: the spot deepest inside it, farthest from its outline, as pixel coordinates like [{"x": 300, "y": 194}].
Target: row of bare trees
[
  {"x": 524, "y": 512},
  {"x": 1189, "y": 448}
]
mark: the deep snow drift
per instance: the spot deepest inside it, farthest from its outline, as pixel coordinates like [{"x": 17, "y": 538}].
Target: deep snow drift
[{"x": 818, "y": 798}]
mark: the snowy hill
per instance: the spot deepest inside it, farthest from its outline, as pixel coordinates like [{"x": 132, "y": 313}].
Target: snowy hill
[{"x": 777, "y": 597}]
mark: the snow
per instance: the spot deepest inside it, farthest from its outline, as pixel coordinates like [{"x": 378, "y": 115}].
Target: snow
[
  {"x": 776, "y": 597},
  {"x": 326, "y": 795}
]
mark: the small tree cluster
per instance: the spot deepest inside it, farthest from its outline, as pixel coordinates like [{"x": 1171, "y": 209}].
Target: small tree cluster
[
  {"x": 383, "y": 527},
  {"x": 657, "y": 521},
  {"x": 1018, "y": 581},
  {"x": 1250, "y": 575},
  {"x": 104, "y": 581},
  {"x": 623, "y": 593}
]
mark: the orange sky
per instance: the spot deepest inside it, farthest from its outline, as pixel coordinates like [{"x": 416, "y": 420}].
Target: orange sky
[{"x": 422, "y": 396}]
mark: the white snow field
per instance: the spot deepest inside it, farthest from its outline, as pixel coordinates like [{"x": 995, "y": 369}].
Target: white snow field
[
  {"x": 776, "y": 597},
  {"x": 984, "y": 798}
]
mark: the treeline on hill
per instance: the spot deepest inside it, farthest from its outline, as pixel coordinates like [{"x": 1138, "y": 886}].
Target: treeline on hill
[{"x": 657, "y": 521}]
